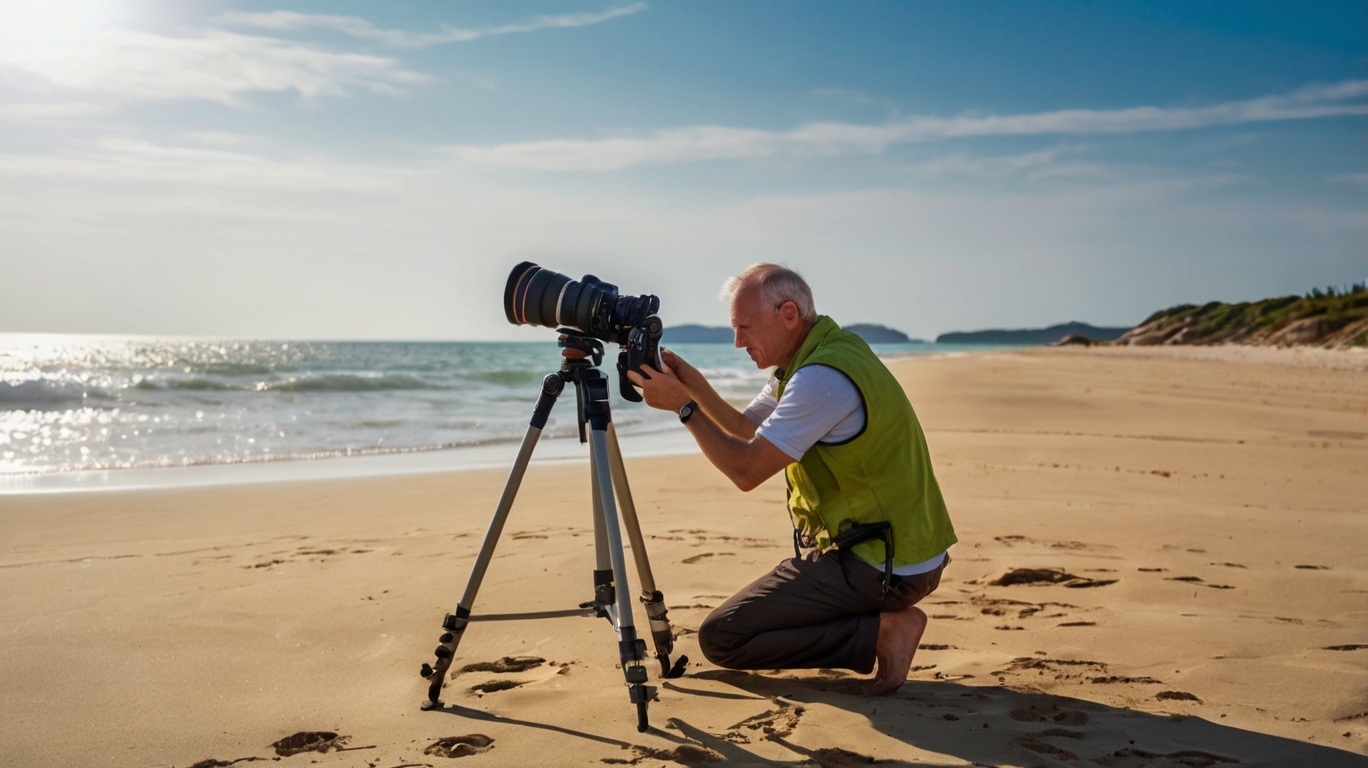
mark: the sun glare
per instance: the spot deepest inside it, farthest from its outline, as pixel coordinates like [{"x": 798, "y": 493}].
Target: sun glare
[{"x": 36, "y": 29}]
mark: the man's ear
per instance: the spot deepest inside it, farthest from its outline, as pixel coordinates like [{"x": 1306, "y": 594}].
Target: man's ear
[{"x": 789, "y": 312}]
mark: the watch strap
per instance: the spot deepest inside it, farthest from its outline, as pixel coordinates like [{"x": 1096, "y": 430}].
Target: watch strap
[{"x": 687, "y": 412}]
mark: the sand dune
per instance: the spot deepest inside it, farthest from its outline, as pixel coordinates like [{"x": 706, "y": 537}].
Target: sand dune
[{"x": 1163, "y": 562}]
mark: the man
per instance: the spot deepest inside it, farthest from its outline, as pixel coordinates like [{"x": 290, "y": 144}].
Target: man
[{"x": 839, "y": 425}]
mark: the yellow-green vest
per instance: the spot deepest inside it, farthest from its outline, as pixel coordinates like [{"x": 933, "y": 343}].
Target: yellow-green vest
[{"x": 883, "y": 473}]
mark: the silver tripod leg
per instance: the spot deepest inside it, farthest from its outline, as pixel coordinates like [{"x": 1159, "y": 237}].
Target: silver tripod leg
[
  {"x": 603, "y": 564},
  {"x": 631, "y": 649},
  {"x": 603, "y": 494},
  {"x": 662, "y": 635},
  {"x": 456, "y": 622}
]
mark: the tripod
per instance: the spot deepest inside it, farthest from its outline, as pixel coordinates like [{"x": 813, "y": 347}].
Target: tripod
[{"x": 581, "y": 356}]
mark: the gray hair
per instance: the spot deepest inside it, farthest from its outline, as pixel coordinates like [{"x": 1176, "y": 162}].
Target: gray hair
[{"x": 778, "y": 284}]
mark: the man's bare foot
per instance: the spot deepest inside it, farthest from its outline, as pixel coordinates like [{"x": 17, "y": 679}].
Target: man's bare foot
[{"x": 899, "y": 634}]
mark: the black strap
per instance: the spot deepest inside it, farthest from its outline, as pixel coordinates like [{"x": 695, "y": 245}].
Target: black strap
[{"x": 857, "y": 534}]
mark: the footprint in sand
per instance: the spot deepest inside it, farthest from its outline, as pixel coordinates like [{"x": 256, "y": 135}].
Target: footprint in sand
[
  {"x": 309, "y": 741},
  {"x": 1116, "y": 679},
  {"x": 1042, "y": 576},
  {"x": 1140, "y": 758},
  {"x": 1034, "y": 744},
  {"x": 686, "y": 754},
  {"x": 705, "y": 555},
  {"x": 505, "y": 665},
  {"x": 1076, "y": 668},
  {"x": 460, "y": 746},
  {"x": 1198, "y": 581},
  {"x": 494, "y": 686},
  {"x": 835, "y": 757},
  {"x": 772, "y": 724},
  {"x": 1034, "y": 714}
]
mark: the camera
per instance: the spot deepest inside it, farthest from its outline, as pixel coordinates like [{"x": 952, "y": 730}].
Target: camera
[{"x": 535, "y": 295}]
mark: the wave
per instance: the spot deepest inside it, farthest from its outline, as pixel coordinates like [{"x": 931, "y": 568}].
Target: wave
[
  {"x": 209, "y": 385},
  {"x": 45, "y": 394},
  {"x": 342, "y": 382},
  {"x": 337, "y": 382}
]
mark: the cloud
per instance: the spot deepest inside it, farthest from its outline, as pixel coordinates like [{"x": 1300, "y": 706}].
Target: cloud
[
  {"x": 226, "y": 163},
  {"x": 698, "y": 143},
  {"x": 286, "y": 21},
  {"x": 219, "y": 66}
]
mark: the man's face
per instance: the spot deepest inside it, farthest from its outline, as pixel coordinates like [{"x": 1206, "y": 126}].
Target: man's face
[{"x": 765, "y": 332}]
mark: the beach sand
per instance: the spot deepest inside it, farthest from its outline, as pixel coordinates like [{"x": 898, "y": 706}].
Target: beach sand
[{"x": 1200, "y": 523}]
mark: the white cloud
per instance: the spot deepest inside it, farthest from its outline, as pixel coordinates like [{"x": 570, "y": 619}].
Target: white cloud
[
  {"x": 131, "y": 162},
  {"x": 285, "y": 21},
  {"x": 125, "y": 65},
  {"x": 691, "y": 144}
]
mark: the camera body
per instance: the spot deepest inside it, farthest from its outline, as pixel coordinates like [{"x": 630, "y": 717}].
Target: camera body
[
  {"x": 535, "y": 295},
  {"x": 642, "y": 348}
]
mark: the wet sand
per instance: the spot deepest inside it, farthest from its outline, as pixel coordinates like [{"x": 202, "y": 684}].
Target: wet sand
[{"x": 1163, "y": 561}]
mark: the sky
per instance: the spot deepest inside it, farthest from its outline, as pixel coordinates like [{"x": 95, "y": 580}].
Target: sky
[{"x": 363, "y": 170}]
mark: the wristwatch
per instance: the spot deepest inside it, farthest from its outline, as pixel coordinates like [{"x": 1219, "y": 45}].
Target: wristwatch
[{"x": 687, "y": 411}]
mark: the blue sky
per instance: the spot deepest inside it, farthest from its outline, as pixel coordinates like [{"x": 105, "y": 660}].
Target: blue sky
[{"x": 368, "y": 170}]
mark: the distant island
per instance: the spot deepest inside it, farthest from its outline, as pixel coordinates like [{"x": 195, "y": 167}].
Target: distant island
[
  {"x": 706, "y": 334},
  {"x": 881, "y": 334},
  {"x": 1049, "y": 335},
  {"x": 1328, "y": 318},
  {"x": 696, "y": 334}
]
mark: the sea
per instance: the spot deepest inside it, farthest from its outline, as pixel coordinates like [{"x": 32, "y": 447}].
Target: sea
[{"x": 96, "y": 411}]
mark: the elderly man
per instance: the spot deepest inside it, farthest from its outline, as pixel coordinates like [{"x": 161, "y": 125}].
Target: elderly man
[{"x": 864, "y": 502}]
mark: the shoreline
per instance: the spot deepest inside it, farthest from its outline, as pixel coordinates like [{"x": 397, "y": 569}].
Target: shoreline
[
  {"x": 549, "y": 450},
  {"x": 660, "y": 441}
]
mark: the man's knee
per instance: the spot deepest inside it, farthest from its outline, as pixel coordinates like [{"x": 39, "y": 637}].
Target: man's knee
[{"x": 718, "y": 645}]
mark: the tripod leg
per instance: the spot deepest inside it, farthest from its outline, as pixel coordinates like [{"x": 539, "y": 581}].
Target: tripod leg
[
  {"x": 454, "y": 624},
  {"x": 661, "y": 633},
  {"x": 631, "y": 650},
  {"x": 603, "y": 564}
]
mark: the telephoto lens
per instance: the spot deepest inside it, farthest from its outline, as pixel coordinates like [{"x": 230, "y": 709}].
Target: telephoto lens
[{"x": 537, "y": 296}]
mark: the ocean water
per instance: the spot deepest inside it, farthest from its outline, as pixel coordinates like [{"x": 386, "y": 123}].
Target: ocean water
[{"x": 78, "y": 403}]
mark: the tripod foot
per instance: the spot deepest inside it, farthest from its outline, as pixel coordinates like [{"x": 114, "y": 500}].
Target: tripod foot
[
  {"x": 669, "y": 672},
  {"x": 641, "y": 695}
]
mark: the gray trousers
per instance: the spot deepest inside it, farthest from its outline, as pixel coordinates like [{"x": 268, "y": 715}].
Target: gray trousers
[{"x": 820, "y": 610}]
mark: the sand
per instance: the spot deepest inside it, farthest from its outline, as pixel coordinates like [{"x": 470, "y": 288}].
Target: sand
[{"x": 1163, "y": 561}]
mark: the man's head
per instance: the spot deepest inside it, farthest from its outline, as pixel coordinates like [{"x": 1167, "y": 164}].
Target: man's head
[{"x": 771, "y": 312}]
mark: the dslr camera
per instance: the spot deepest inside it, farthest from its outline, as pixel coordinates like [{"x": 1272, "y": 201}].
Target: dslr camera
[{"x": 590, "y": 307}]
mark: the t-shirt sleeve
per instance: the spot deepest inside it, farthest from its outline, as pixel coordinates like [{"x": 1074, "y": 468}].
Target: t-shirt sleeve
[
  {"x": 763, "y": 405},
  {"x": 820, "y": 404}
]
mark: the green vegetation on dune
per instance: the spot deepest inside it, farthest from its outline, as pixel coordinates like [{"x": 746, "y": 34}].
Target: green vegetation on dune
[{"x": 1328, "y": 318}]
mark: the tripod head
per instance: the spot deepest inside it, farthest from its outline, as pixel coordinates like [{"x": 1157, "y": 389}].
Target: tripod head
[{"x": 577, "y": 348}]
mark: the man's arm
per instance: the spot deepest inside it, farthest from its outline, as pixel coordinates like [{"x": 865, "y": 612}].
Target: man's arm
[
  {"x": 746, "y": 461},
  {"x": 730, "y": 420}
]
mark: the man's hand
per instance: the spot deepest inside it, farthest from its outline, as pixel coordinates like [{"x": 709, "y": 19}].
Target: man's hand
[
  {"x": 662, "y": 389},
  {"x": 687, "y": 374}
]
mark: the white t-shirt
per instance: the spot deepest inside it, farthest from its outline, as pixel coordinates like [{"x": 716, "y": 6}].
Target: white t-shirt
[{"x": 820, "y": 405}]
